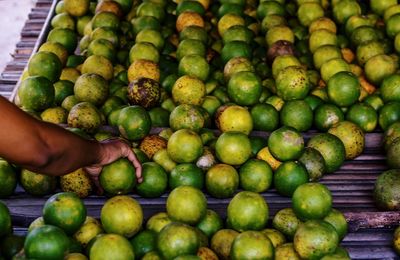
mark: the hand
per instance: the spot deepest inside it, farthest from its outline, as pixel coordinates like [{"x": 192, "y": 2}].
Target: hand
[{"x": 111, "y": 150}]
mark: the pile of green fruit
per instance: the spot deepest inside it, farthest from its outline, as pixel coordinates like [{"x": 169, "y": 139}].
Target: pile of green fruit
[
  {"x": 187, "y": 230},
  {"x": 282, "y": 67}
]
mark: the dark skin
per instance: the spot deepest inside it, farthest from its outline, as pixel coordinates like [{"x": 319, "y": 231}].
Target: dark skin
[{"x": 49, "y": 149}]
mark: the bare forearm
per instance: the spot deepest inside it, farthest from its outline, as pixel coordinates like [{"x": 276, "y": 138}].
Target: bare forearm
[{"x": 42, "y": 147}]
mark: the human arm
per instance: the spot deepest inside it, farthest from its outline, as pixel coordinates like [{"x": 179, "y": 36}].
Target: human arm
[{"x": 49, "y": 149}]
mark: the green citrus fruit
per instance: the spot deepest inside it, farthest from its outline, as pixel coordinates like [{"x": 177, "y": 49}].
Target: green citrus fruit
[
  {"x": 289, "y": 176},
  {"x": 233, "y": 148},
  {"x": 37, "y": 184},
  {"x": 210, "y": 224},
  {"x": 314, "y": 163},
  {"x": 234, "y": 118},
  {"x": 286, "y": 144},
  {"x": 221, "y": 242},
  {"x": 315, "y": 239},
  {"x": 265, "y": 117},
  {"x": 186, "y": 116},
  {"x": 343, "y": 88},
  {"x": 46, "y": 242},
  {"x": 91, "y": 88},
  {"x": 186, "y": 174},
  {"x": 65, "y": 37},
  {"x": 36, "y": 93},
  {"x": 122, "y": 215},
  {"x": 244, "y": 88},
  {"x": 85, "y": 116},
  {"x": 8, "y": 179},
  {"x": 338, "y": 221},
  {"x": 144, "y": 51},
  {"x": 143, "y": 242},
  {"x": 321, "y": 37},
  {"x": 64, "y": 210},
  {"x": 286, "y": 222},
  {"x": 188, "y": 90},
  {"x": 134, "y": 122},
  {"x": 351, "y": 136},
  {"x": 89, "y": 230},
  {"x": 5, "y": 223},
  {"x": 111, "y": 246},
  {"x": 222, "y": 180},
  {"x": 118, "y": 177},
  {"x": 286, "y": 251},
  {"x": 308, "y": 12},
  {"x": 184, "y": 146},
  {"x": 177, "y": 239},
  {"x": 252, "y": 244},
  {"x": 331, "y": 148},
  {"x": 379, "y": 67},
  {"x": 343, "y": 10},
  {"x": 155, "y": 181},
  {"x": 296, "y": 114},
  {"x": 363, "y": 115},
  {"x": 312, "y": 201},
  {"x": 194, "y": 65},
  {"x": 327, "y": 115},
  {"x": 255, "y": 175},
  {"x": 186, "y": 204},
  {"x": 389, "y": 114},
  {"x": 247, "y": 211},
  {"x": 292, "y": 83}
]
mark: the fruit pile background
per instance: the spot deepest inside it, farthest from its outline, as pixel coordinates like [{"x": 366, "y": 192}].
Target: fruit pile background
[{"x": 191, "y": 81}]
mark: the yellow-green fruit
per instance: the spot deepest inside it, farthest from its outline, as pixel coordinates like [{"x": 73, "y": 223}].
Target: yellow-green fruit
[
  {"x": 143, "y": 69},
  {"x": 89, "y": 229},
  {"x": 55, "y": 115},
  {"x": 76, "y": 7},
  {"x": 189, "y": 90},
  {"x": 78, "y": 182}
]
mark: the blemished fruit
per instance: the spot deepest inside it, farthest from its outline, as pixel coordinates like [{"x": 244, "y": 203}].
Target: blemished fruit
[
  {"x": 247, "y": 211},
  {"x": 314, "y": 163},
  {"x": 66, "y": 211},
  {"x": 122, "y": 215},
  {"x": 78, "y": 182},
  {"x": 37, "y": 184},
  {"x": 92, "y": 88},
  {"x": 152, "y": 144},
  {"x": 312, "y": 201},
  {"x": 87, "y": 231},
  {"x": 46, "y": 242},
  {"x": 221, "y": 242},
  {"x": 252, "y": 244},
  {"x": 315, "y": 239},
  {"x": 386, "y": 194},
  {"x": 286, "y": 251},
  {"x": 85, "y": 116},
  {"x": 286, "y": 222},
  {"x": 292, "y": 83},
  {"x": 158, "y": 221},
  {"x": 186, "y": 204},
  {"x": 118, "y": 177},
  {"x": 144, "y": 92}
]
